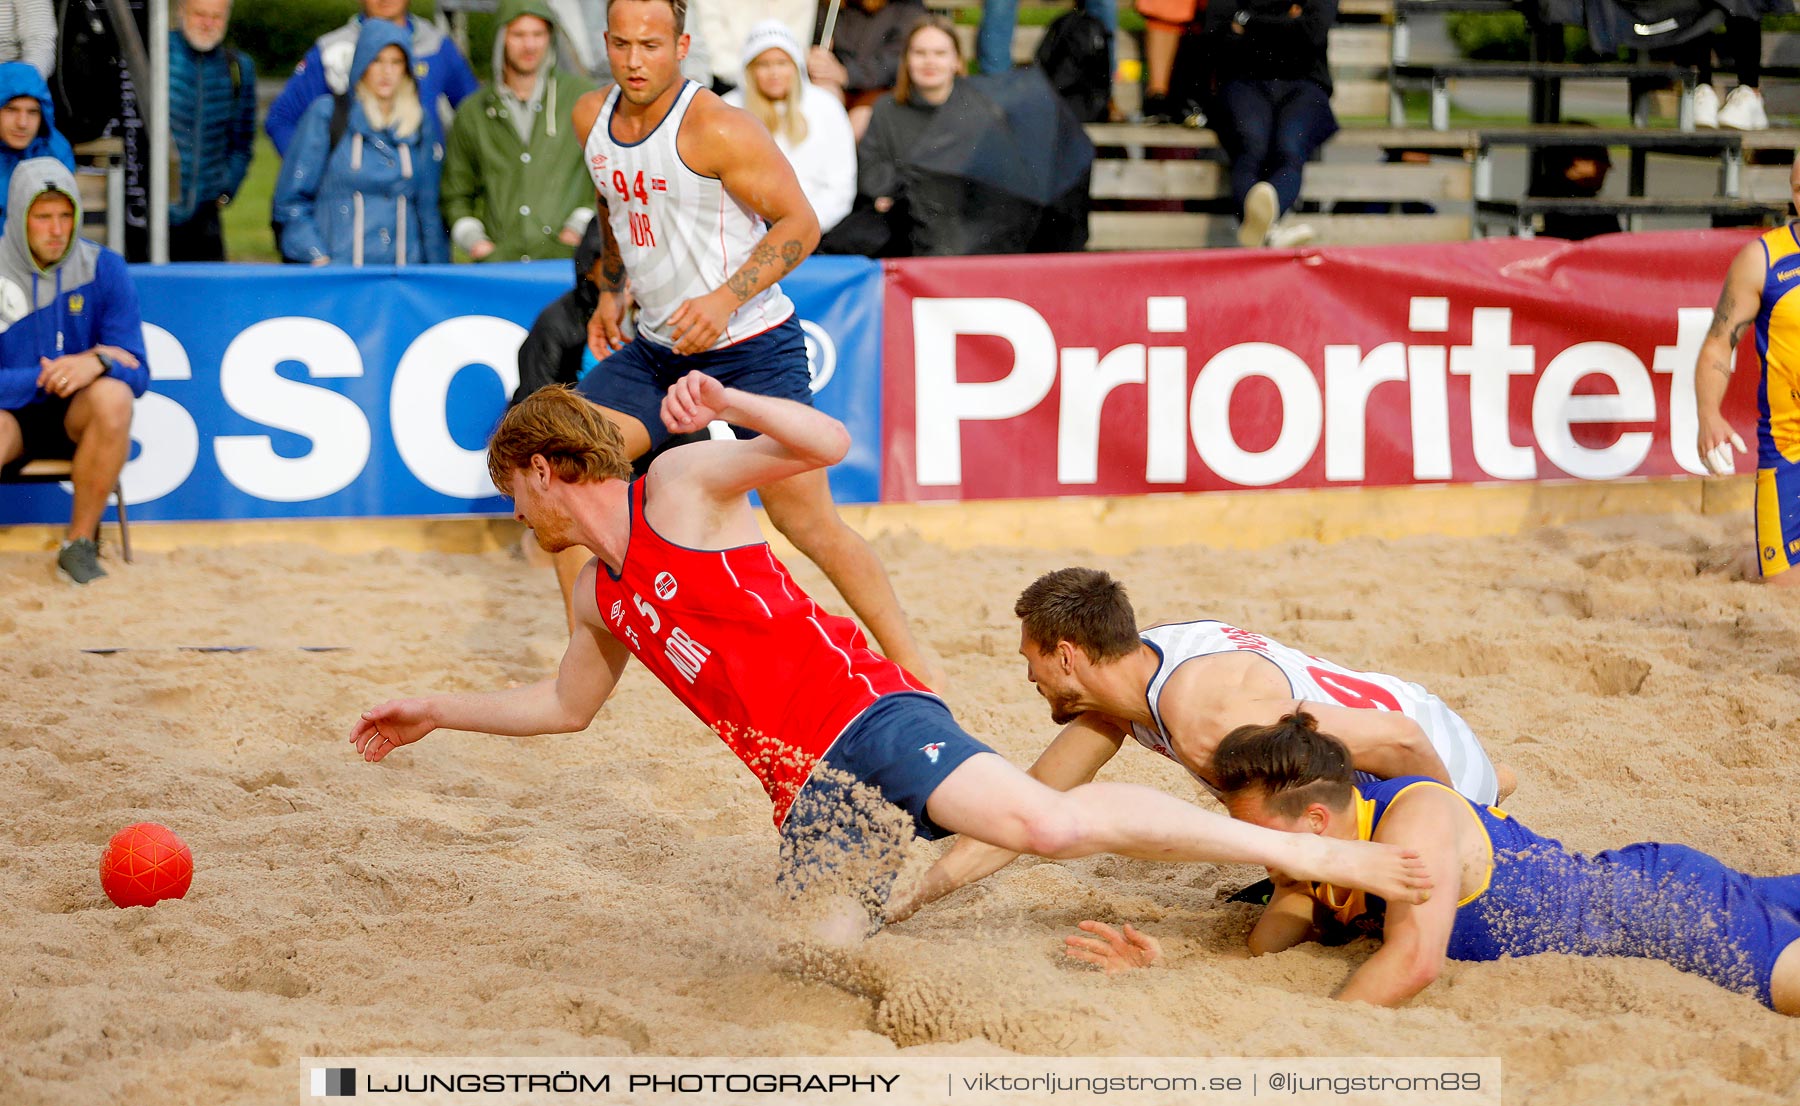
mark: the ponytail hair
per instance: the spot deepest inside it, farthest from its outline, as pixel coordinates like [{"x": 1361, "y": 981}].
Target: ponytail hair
[{"x": 1292, "y": 763}]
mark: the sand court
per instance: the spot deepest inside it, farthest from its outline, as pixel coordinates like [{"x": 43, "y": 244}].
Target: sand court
[{"x": 611, "y": 892}]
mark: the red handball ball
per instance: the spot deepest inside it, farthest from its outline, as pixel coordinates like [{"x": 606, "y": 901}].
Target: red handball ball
[{"x": 144, "y": 864}]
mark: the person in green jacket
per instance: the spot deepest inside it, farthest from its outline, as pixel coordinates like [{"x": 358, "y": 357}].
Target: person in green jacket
[{"x": 514, "y": 186}]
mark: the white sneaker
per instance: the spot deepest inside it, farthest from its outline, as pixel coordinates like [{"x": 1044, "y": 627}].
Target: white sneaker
[
  {"x": 1261, "y": 206},
  {"x": 1288, "y": 234},
  {"x": 1706, "y": 106},
  {"x": 1743, "y": 110}
]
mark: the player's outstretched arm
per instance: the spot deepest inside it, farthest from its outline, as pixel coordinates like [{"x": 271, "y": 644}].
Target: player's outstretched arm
[
  {"x": 1739, "y": 302},
  {"x": 734, "y": 147},
  {"x": 1074, "y": 758},
  {"x": 564, "y": 703},
  {"x": 1208, "y": 698},
  {"x": 1415, "y": 938},
  {"x": 794, "y": 438}
]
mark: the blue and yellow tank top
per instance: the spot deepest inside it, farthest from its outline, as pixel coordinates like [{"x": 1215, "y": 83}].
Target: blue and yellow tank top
[
  {"x": 1538, "y": 897},
  {"x": 1778, "y": 347}
]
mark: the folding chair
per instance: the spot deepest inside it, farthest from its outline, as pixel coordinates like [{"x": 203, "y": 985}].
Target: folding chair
[{"x": 45, "y": 471}]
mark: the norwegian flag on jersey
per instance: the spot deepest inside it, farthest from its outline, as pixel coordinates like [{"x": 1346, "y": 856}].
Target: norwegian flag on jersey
[
  {"x": 659, "y": 184},
  {"x": 737, "y": 641}
]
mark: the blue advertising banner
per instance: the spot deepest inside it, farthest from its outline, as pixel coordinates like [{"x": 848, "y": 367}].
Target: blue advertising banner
[{"x": 287, "y": 392}]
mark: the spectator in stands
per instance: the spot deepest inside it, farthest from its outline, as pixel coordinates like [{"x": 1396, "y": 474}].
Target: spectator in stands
[
  {"x": 28, "y": 34},
  {"x": 809, "y": 124},
  {"x": 730, "y": 21},
  {"x": 950, "y": 167},
  {"x": 515, "y": 186},
  {"x": 1166, "y": 22},
  {"x": 696, "y": 67},
  {"x": 861, "y": 63},
  {"x": 359, "y": 185},
  {"x": 1743, "y": 108},
  {"x": 27, "y": 122},
  {"x": 993, "y": 43},
  {"x": 72, "y": 357},
  {"x": 212, "y": 123},
  {"x": 1573, "y": 172},
  {"x": 439, "y": 69},
  {"x": 1274, "y": 106}
]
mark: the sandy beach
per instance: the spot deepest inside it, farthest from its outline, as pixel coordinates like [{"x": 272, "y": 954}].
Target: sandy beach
[{"x": 609, "y": 893}]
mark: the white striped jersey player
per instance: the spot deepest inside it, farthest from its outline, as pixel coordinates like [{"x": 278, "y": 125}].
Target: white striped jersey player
[
  {"x": 680, "y": 234},
  {"x": 1315, "y": 680}
]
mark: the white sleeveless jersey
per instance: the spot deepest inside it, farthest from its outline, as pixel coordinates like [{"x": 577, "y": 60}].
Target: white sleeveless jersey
[
  {"x": 1313, "y": 680},
  {"x": 680, "y": 234}
]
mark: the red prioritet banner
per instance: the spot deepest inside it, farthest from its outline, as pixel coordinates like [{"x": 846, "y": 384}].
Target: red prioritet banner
[{"x": 1120, "y": 374}]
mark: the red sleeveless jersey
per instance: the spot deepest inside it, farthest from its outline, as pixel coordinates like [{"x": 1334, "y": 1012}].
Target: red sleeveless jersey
[{"x": 737, "y": 641}]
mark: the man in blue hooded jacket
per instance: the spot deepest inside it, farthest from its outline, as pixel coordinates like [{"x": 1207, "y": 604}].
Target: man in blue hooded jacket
[
  {"x": 438, "y": 66},
  {"x": 27, "y": 123},
  {"x": 71, "y": 351}
]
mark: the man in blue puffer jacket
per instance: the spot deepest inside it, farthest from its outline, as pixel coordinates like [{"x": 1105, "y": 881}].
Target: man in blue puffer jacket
[
  {"x": 27, "y": 123},
  {"x": 438, "y": 66},
  {"x": 370, "y": 195},
  {"x": 71, "y": 350},
  {"x": 212, "y": 121}
]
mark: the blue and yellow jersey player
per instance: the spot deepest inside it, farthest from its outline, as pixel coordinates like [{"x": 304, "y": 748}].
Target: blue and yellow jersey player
[
  {"x": 1519, "y": 893},
  {"x": 1759, "y": 290}
]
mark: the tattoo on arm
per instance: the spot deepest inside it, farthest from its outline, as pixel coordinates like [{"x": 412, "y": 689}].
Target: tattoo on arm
[
  {"x": 1721, "y": 320},
  {"x": 746, "y": 282}
]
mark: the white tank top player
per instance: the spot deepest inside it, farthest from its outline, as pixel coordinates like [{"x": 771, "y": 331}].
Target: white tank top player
[
  {"x": 680, "y": 234},
  {"x": 1314, "y": 680}
]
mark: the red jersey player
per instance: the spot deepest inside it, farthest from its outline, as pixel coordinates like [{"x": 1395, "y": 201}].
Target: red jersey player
[{"x": 683, "y": 580}]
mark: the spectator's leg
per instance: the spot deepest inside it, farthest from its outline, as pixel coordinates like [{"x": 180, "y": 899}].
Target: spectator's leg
[
  {"x": 1161, "y": 41},
  {"x": 1744, "y": 38},
  {"x": 198, "y": 239},
  {"x": 99, "y": 423},
  {"x": 1250, "y": 122},
  {"x": 1303, "y": 123},
  {"x": 993, "y": 42},
  {"x": 12, "y": 440}
]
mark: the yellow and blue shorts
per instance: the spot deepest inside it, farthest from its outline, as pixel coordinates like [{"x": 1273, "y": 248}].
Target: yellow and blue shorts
[{"x": 1778, "y": 517}]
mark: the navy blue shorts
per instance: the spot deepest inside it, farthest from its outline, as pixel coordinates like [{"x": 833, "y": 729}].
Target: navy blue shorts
[
  {"x": 633, "y": 380},
  {"x": 41, "y": 427},
  {"x": 866, "y": 800}
]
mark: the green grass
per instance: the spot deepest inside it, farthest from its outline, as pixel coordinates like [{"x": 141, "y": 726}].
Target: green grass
[{"x": 246, "y": 219}]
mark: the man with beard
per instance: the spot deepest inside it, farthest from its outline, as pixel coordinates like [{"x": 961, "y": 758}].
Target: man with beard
[
  {"x": 513, "y": 187},
  {"x": 212, "y": 122}
]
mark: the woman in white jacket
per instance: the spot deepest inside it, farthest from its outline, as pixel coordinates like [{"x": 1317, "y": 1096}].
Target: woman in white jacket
[{"x": 809, "y": 124}]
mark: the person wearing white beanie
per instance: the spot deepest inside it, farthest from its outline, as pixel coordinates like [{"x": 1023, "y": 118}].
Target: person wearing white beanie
[
  {"x": 728, "y": 21},
  {"x": 809, "y": 124}
]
